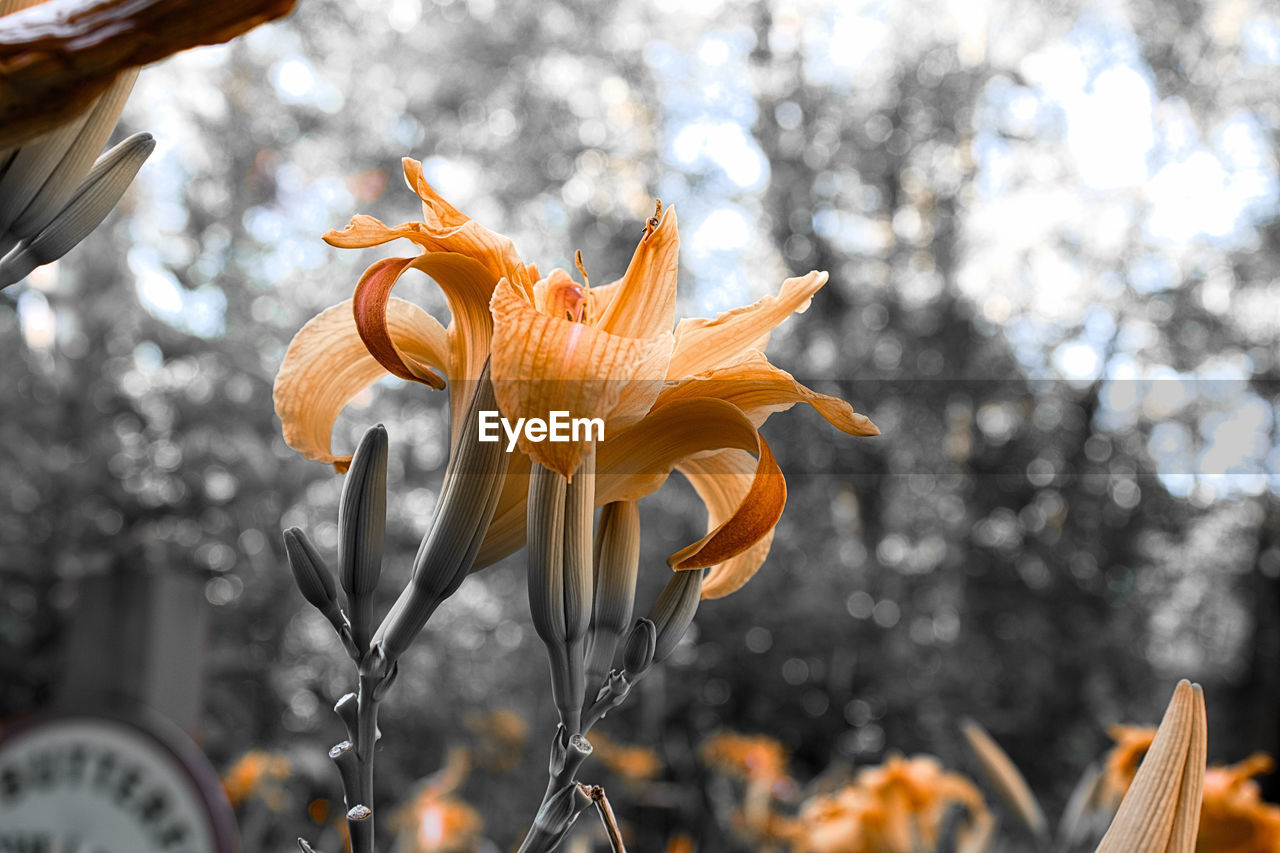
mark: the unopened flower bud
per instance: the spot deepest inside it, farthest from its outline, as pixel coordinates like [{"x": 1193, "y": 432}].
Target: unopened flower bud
[
  {"x": 468, "y": 498},
  {"x": 312, "y": 576},
  {"x": 89, "y": 205},
  {"x": 642, "y": 642},
  {"x": 362, "y": 519},
  {"x": 72, "y": 165},
  {"x": 617, "y": 559},
  {"x": 362, "y": 514},
  {"x": 673, "y": 611}
]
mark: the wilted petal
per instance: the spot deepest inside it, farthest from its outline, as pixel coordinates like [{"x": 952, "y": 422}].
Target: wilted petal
[
  {"x": 760, "y": 389},
  {"x": 703, "y": 344},
  {"x": 642, "y": 303},
  {"x": 364, "y": 231},
  {"x": 449, "y": 230},
  {"x": 543, "y": 364},
  {"x": 327, "y": 364},
  {"x": 57, "y": 59}
]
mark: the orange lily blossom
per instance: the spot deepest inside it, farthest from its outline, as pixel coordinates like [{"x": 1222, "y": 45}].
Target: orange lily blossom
[{"x": 692, "y": 400}]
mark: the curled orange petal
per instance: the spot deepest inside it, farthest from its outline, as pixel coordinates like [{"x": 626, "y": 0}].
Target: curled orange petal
[
  {"x": 327, "y": 364},
  {"x": 467, "y": 287},
  {"x": 369, "y": 309},
  {"x": 749, "y": 519}
]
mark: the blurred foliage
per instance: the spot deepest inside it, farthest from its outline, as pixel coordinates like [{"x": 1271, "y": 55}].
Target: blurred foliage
[{"x": 1043, "y": 539}]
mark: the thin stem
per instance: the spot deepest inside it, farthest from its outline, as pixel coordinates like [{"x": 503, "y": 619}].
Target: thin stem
[
  {"x": 360, "y": 824},
  {"x": 597, "y": 795}
]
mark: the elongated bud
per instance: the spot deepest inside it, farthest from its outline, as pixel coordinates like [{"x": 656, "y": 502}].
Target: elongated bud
[
  {"x": 673, "y": 611},
  {"x": 89, "y": 205},
  {"x": 617, "y": 559},
  {"x": 94, "y": 129},
  {"x": 579, "y": 584},
  {"x": 309, "y": 571},
  {"x": 362, "y": 519},
  {"x": 31, "y": 166},
  {"x": 642, "y": 643},
  {"x": 304, "y": 847},
  {"x": 468, "y": 498},
  {"x": 546, "y": 553},
  {"x": 547, "y": 491},
  {"x": 362, "y": 514}
]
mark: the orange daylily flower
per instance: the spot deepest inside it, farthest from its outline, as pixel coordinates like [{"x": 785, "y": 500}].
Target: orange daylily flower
[
  {"x": 746, "y": 757},
  {"x": 1234, "y": 819},
  {"x": 897, "y": 807},
  {"x": 1233, "y": 816},
  {"x": 257, "y": 773},
  {"x": 690, "y": 400},
  {"x": 630, "y": 762}
]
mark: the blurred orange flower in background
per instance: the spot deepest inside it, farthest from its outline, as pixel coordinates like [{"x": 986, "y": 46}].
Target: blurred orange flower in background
[
  {"x": 745, "y": 757},
  {"x": 433, "y": 820},
  {"x": 1233, "y": 817},
  {"x": 897, "y": 807},
  {"x": 1121, "y": 763},
  {"x": 257, "y": 773},
  {"x": 631, "y": 763},
  {"x": 500, "y": 738}
]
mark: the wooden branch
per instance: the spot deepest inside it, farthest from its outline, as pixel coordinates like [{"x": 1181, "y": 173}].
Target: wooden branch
[{"x": 57, "y": 56}]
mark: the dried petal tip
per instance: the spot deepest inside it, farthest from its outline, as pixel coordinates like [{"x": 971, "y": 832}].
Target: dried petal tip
[
  {"x": 305, "y": 847},
  {"x": 314, "y": 580},
  {"x": 642, "y": 643},
  {"x": 360, "y": 812}
]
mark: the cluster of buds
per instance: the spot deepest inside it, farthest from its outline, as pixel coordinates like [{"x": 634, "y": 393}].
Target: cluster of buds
[
  {"x": 55, "y": 189},
  {"x": 582, "y": 591},
  {"x": 472, "y": 485}
]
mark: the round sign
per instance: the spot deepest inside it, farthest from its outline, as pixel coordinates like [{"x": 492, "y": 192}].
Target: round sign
[{"x": 102, "y": 784}]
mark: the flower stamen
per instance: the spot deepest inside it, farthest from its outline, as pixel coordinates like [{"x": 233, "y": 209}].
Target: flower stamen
[{"x": 652, "y": 224}]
